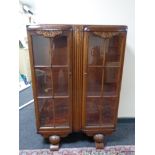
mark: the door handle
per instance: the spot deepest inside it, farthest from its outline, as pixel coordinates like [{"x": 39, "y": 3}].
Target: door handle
[{"x": 85, "y": 74}]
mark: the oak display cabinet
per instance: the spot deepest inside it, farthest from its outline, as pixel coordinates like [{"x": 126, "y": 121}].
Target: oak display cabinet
[{"x": 76, "y": 79}]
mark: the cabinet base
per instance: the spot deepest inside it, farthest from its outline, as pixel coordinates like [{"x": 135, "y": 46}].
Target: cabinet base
[{"x": 55, "y": 140}]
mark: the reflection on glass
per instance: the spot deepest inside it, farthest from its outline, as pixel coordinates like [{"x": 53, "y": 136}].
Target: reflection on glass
[
  {"x": 41, "y": 50},
  {"x": 43, "y": 81},
  {"x": 46, "y": 112},
  {"x": 95, "y": 53},
  {"x": 100, "y": 111},
  {"x": 102, "y": 79},
  {"x": 45, "y": 77},
  {"x": 114, "y": 41},
  {"x": 61, "y": 112},
  {"x": 92, "y": 111},
  {"x": 110, "y": 89},
  {"x": 98, "y": 47},
  {"x": 59, "y": 56},
  {"x": 48, "y": 51},
  {"x": 111, "y": 75},
  {"x": 110, "y": 81},
  {"x": 54, "y": 112},
  {"x": 113, "y": 53},
  {"x": 60, "y": 81},
  {"x": 94, "y": 82},
  {"x": 108, "y": 113}
]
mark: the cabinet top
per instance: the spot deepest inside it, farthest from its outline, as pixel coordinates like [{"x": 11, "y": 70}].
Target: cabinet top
[{"x": 68, "y": 27}]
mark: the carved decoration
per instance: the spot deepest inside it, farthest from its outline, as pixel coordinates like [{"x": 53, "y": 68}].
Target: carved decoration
[
  {"x": 51, "y": 34},
  {"x": 107, "y": 35}
]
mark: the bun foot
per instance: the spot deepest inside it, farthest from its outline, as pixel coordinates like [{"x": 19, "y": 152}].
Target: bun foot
[
  {"x": 54, "y": 140},
  {"x": 54, "y": 147},
  {"x": 99, "y": 141}
]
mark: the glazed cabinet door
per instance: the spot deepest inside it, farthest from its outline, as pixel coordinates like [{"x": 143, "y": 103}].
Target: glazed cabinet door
[
  {"x": 50, "y": 52},
  {"x": 103, "y": 62}
]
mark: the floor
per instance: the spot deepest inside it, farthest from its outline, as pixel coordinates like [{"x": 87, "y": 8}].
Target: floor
[
  {"x": 29, "y": 139},
  {"x": 25, "y": 96}
]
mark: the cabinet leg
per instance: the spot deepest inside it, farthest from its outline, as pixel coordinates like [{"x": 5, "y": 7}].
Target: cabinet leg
[
  {"x": 54, "y": 140},
  {"x": 99, "y": 141}
]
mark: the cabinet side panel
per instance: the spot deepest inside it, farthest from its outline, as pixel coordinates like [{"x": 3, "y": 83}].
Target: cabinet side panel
[
  {"x": 33, "y": 79},
  {"x": 122, "y": 49}
]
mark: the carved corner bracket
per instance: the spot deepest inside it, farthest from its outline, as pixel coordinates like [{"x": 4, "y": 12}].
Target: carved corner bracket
[
  {"x": 47, "y": 33},
  {"x": 105, "y": 35}
]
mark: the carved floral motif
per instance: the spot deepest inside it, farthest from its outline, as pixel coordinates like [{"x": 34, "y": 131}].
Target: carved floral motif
[
  {"x": 106, "y": 34},
  {"x": 49, "y": 33}
]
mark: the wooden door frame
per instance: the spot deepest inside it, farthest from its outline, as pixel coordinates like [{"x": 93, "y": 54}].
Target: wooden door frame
[
  {"x": 51, "y": 32},
  {"x": 103, "y": 30}
]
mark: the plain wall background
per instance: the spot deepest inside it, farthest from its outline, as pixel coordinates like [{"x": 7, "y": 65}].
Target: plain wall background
[{"x": 105, "y": 12}]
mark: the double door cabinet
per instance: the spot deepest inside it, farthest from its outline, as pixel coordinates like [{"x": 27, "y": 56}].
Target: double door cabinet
[{"x": 76, "y": 78}]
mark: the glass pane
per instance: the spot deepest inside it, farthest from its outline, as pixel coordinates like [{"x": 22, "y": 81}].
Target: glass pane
[
  {"x": 95, "y": 55},
  {"x": 43, "y": 81},
  {"x": 92, "y": 111},
  {"x": 60, "y": 81},
  {"x": 59, "y": 56},
  {"x": 53, "y": 114},
  {"x": 110, "y": 89},
  {"x": 100, "y": 111},
  {"x": 113, "y": 54},
  {"x": 46, "y": 112},
  {"x": 109, "y": 110},
  {"x": 41, "y": 50},
  {"x": 110, "y": 81},
  {"x": 94, "y": 81},
  {"x": 61, "y": 112}
]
